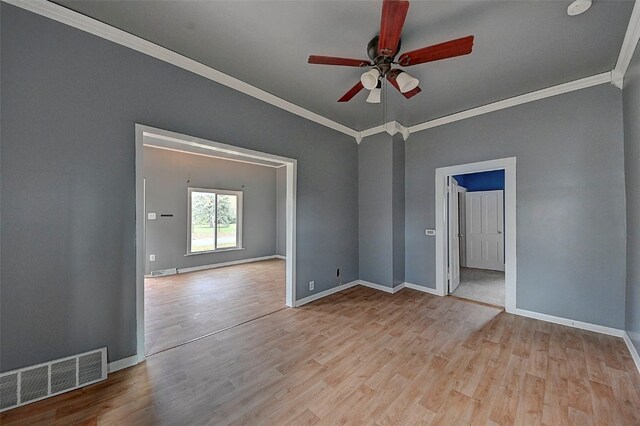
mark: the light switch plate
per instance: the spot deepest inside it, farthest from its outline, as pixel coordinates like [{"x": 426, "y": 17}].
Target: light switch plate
[
  {"x": 151, "y": 216},
  {"x": 430, "y": 232}
]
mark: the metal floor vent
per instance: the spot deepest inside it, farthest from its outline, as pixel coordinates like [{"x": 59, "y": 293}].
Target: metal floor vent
[
  {"x": 30, "y": 384},
  {"x": 163, "y": 272}
]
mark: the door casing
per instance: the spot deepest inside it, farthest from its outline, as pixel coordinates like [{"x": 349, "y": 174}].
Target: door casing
[{"x": 442, "y": 174}]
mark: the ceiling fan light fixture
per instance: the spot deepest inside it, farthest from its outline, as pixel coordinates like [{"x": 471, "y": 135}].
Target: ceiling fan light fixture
[
  {"x": 369, "y": 79},
  {"x": 406, "y": 83},
  {"x": 375, "y": 96}
]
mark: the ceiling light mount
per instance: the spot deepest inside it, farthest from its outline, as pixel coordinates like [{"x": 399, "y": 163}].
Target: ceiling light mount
[{"x": 578, "y": 7}]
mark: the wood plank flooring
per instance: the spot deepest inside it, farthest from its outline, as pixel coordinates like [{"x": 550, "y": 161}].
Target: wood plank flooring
[
  {"x": 182, "y": 307},
  {"x": 367, "y": 357}
]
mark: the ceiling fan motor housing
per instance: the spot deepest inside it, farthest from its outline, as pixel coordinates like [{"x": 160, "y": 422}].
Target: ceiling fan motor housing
[{"x": 383, "y": 63}]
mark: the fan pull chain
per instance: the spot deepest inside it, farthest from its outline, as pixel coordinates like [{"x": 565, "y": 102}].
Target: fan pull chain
[{"x": 384, "y": 102}]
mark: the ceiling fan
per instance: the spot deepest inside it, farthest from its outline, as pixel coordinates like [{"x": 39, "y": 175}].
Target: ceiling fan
[{"x": 382, "y": 50}]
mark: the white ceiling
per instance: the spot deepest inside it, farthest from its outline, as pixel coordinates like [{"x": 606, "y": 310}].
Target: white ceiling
[{"x": 520, "y": 46}]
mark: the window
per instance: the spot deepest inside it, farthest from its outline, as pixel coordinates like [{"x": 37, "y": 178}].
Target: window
[{"x": 215, "y": 220}]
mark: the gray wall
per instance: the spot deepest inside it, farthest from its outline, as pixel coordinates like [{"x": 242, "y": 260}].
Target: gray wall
[
  {"x": 631, "y": 105},
  {"x": 168, "y": 175},
  {"x": 570, "y": 199},
  {"x": 281, "y": 211},
  {"x": 375, "y": 184},
  {"x": 398, "y": 216},
  {"x": 69, "y": 104},
  {"x": 381, "y": 177}
]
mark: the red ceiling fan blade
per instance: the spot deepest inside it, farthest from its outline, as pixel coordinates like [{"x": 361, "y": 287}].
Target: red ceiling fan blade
[
  {"x": 393, "y": 14},
  {"x": 351, "y": 93},
  {"x": 448, "y": 49},
  {"x": 330, "y": 60},
  {"x": 391, "y": 76}
]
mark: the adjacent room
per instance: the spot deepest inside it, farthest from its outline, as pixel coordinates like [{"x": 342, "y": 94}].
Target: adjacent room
[
  {"x": 381, "y": 212},
  {"x": 214, "y": 241},
  {"x": 476, "y": 237}
]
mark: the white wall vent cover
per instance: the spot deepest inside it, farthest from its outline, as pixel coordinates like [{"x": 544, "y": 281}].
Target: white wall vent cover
[{"x": 30, "y": 384}]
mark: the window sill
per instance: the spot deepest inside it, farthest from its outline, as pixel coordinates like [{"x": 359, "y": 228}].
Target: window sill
[{"x": 215, "y": 251}]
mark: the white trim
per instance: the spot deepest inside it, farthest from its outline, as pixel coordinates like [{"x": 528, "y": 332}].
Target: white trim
[
  {"x": 632, "y": 350},
  {"x": 373, "y": 131},
  {"x": 223, "y": 264},
  {"x": 279, "y": 256},
  {"x": 141, "y": 220},
  {"x": 570, "y": 323},
  {"x": 82, "y": 22},
  {"x": 509, "y": 166},
  {"x": 142, "y": 131},
  {"x": 123, "y": 38},
  {"x": 326, "y": 293},
  {"x": 121, "y": 364},
  {"x": 381, "y": 287},
  {"x": 421, "y": 288},
  {"x": 629, "y": 44},
  {"x": 273, "y": 166},
  {"x": 560, "y": 89},
  {"x": 391, "y": 127},
  {"x": 108, "y": 32},
  {"x": 222, "y": 250}
]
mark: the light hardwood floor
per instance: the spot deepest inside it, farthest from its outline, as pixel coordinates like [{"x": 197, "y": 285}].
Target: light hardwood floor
[
  {"x": 366, "y": 357},
  {"x": 182, "y": 307}
]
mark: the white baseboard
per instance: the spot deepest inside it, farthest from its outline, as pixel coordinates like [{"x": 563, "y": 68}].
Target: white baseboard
[
  {"x": 326, "y": 293},
  {"x": 279, "y": 256},
  {"x": 632, "y": 350},
  {"x": 123, "y": 363},
  {"x": 421, "y": 288},
  {"x": 569, "y": 322},
  {"x": 381, "y": 287},
  {"x": 399, "y": 287},
  {"x": 223, "y": 264}
]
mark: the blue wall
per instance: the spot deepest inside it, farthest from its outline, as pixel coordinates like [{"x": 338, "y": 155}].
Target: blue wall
[{"x": 483, "y": 181}]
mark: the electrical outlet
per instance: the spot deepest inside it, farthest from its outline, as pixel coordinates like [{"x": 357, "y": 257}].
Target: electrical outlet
[
  {"x": 152, "y": 258},
  {"x": 151, "y": 216},
  {"x": 312, "y": 285}
]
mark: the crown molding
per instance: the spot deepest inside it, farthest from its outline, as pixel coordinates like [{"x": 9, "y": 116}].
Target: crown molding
[
  {"x": 391, "y": 127},
  {"x": 560, "y": 89},
  {"x": 615, "y": 77},
  {"x": 629, "y": 44},
  {"x": 82, "y": 22}
]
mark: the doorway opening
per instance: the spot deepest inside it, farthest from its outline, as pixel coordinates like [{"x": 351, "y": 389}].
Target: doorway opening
[
  {"x": 475, "y": 232},
  {"x": 476, "y": 236},
  {"x": 215, "y": 237}
]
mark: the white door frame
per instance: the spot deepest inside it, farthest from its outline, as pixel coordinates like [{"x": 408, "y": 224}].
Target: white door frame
[
  {"x": 509, "y": 166},
  {"x": 186, "y": 142}
]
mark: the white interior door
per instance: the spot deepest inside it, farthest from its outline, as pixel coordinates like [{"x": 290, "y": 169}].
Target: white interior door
[
  {"x": 485, "y": 230},
  {"x": 454, "y": 236}
]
